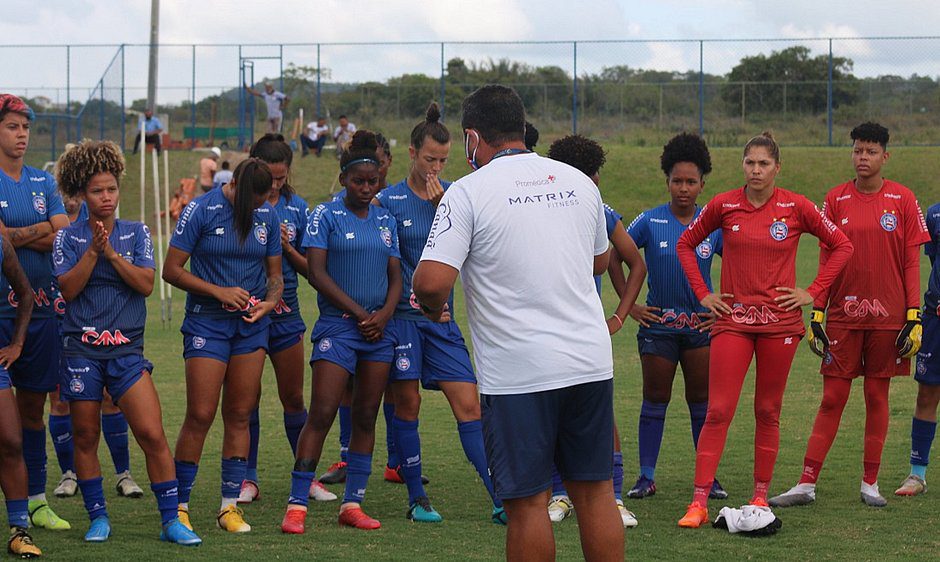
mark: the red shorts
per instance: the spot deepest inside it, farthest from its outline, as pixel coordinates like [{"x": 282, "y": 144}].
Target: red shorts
[{"x": 869, "y": 353}]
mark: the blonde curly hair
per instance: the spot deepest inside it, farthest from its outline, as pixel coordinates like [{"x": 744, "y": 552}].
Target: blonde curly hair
[{"x": 81, "y": 162}]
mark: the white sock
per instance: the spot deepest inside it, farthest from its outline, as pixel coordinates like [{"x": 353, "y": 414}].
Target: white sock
[
  {"x": 185, "y": 506},
  {"x": 38, "y": 497},
  {"x": 870, "y": 489},
  {"x": 227, "y": 502}
]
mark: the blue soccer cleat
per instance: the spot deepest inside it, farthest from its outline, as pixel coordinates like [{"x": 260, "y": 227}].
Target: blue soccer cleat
[
  {"x": 499, "y": 516},
  {"x": 422, "y": 512},
  {"x": 100, "y": 530},
  {"x": 644, "y": 487},
  {"x": 175, "y": 532}
]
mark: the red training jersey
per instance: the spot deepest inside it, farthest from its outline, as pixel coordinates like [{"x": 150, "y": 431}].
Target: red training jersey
[
  {"x": 882, "y": 279},
  {"x": 760, "y": 247}
]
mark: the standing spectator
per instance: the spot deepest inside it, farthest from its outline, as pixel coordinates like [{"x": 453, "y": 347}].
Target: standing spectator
[
  {"x": 223, "y": 176},
  {"x": 547, "y": 394},
  {"x": 343, "y": 134},
  {"x": 208, "y": 165},
  {"x": 314, "y": 137},
  {"x": 153, "y": 129},
  {"x": 275, "y": 102}
]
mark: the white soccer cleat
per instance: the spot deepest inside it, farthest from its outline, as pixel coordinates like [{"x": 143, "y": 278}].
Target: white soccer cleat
[
  {"x": 559, "y": 508},
  {"x": 68, "y": 485},
  {"x": 318, "y": 492},
  {"x": 127, "y": 487},
  {"x": 871, "y": 496},
  {"x": 626, "y": 516},
  {"x": 249, "y": 492},
  {"x": 801, "y": 494}
]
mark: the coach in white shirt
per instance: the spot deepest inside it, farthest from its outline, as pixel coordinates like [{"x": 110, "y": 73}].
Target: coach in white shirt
[
  {"x": 275, "y": 102},
  {"x": 527, "y": 233}
]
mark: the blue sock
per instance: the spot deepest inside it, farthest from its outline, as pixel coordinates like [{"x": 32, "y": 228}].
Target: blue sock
[
  {"x": 186, "y": 474},
  {"x": 93, "y": 494},
  {"x": 167, "y": 494},
  {"x": 471, "y": 438},
  {"x": 18, "y": 513},
  {"x": 922, "y": 434},
  {"x": 114, "y": 427},
  {"x": 254, "y": 433},
  {"x": 233, "y": 473},
  {"x": 300, "y": 487},
  {"x": 34, "y": 454},
  {"x": 60, "y": 428},
  {"x": 345, "y": 431},
  {"x": 394, "y": 459},
  {"x": 558, "y": 487},
  {"x": 618, "y": 475},
  {"x": 357, "y": 476},
  {"x": 409, "y": 446},
  {"x": 293, "y": 423},
  {"x": 652, "y": 422},
  {"x": 697, "y": 411}
]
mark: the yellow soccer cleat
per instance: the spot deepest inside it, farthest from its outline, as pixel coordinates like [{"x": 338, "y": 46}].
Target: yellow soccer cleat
[
  {"x": 232, "y": 519},
  {"x": 182, "y": 513},
  {"x": 41, "y": 515},
  {"x": 21, "y": 544}
]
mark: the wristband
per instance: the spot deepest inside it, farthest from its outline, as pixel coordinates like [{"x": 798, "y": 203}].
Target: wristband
[
  {"x": 428, "y": 310},
  {"x": 618, "y": 320},
  {"x": 913, "y": 315}
]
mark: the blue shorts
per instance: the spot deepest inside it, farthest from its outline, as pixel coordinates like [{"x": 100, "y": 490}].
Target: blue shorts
[
  {"x": 285, "y": 334},
  {"x": 221, "y": 338},
  {"x": 5, "y": 381},
  {"x": 37, "y": 368},
  {"x": 86, "y": 378},
  {"x": 524, "y": 434},
  {"x": 669, "y": 346},
  {"x": 338, "y": 341},
  {"x": 928, "y": 358},
  {"x": 433, "y": 352}
]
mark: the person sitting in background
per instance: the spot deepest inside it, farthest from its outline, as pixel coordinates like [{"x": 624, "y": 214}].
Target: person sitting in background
[
  {"x": 314, "y": 137},
  {"x": 153, "y": 129},
  {"x": 223, "y": 176},
  {"x": 343, "y": 134},
  {"x": 208, "y": 164}
]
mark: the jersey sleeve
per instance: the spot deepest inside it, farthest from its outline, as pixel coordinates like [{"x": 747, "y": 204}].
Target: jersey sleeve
[
  {"x": 64, "y": 254},
  {"x": 612, "y": 217},
  {"x": 273, "y": 242},
  {"x": 188, "y": 228},
  {"x": 143, "y": 248},
  {"x": 395, "y": 251},
  {"x": 302, "y": 217},
  {"x": 930, "y": 248},
  {"x": 602, "y": 234},
  {"x": 452, "y": 230},
  {"x": 718, "y": 242},
  {"x": 639, "y": 230},
  {"x": 821, "y": 299},
  {"x": 915, "y": 226},
  {"x": 319, "y": 226},
  {"x": 835, "y": 242},
  {"x": 707, "y": 221},
  {"x": 54, "y": 204}
]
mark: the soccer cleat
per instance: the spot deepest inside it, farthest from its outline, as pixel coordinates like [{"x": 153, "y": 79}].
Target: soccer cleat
[
  {"x": 913, "y": 485},
  {"x": 100, "y": 530},
  {"x": 68, "y": 485},
  {"x": 871, "y": 496},
  {"x": 294, "y": 519},
  {"x": 336, "y": 474},
  {"x": 695, "y": 516},
  {"x": 644, "y": 487},
  {"x": 232, "y": 519},
  {"x": 717, "y": 492},
  {"x": 559, "y": 508},
  {"x": 21, "y": 544},
  {"x": 319, "y": 492},
  {"x": 801, "y": 494},
  {"x": 759, "y": 502},
  {"x": 182, "y": 513},
  {"x": 250, "y": 492},
  {"x": 395, "y": 476},
  {"x": 355, "y": 517},
  {"x": 499, "y": 516},
  {"x": 176, "y": 532},
  {"x": 422, "y": 512},
  {"x": 41, "y": 515},
  {"x": 626, "y": 516},
  {"x": 127, "y": 487}
]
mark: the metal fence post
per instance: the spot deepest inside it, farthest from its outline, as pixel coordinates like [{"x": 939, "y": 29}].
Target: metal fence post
[
  {"x": 319, "y": 74},
  {"x": 101, "y": 110},
  {"x": 123, "y": 107},
  {"x": 192, "y": 109},
  {"x": 68, "y": 91},
  {"x": 829, "y": 93},
  {"x": 443, "y": 69},
  {"x": 701, "y": 88},
  {"x": 241, "y": 99},
  {"x": 574, "y": 91},
  {"x": 280, "y": 61}
]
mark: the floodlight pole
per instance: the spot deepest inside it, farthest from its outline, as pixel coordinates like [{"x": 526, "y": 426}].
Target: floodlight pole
[{"x": 154, "y": 46}]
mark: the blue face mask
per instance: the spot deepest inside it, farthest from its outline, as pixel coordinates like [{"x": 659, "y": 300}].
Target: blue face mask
[{"x": 471, "y": 157}]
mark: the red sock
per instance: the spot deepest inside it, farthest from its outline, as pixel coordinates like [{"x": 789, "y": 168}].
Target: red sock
[
  {"x": 760, "y": 491},
  {"x": 700, "y": 495},
  {"x": 811, "y": 470},
  {"x": 835, "y": 395},
  {"x": 871, "y": 472},
  {"x": 876, "y": 425}
]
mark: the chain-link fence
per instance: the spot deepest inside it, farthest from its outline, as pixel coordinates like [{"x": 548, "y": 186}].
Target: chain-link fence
[{"x": 810, "y": 91}]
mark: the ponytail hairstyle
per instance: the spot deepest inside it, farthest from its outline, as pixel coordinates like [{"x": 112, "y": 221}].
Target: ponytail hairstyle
[
  {"x": 81, "y": 162},
  {"x": 252, "y": 178},
  {"x": 430, "y": 127},
  {"x": 272, "y": 149},
  {"x": 382, "y": 143},
  {"x": 766, "y": 140},
  {"x": 360, "y": 150}
]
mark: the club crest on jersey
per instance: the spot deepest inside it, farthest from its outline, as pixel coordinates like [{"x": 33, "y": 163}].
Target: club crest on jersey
[
  {"x": 325, "y": 345},
  {"x": 827, "y": 359},
  {"x": 386, "y": 236},
  {"x": 779, "y": 230},
  {"x": 291, "y": 231},
  {"x": 889, "y": 221},
  {"x": 921, "y": 366},
  {"x": 77, "y": 386},
  {"x": 199, "y": 342},
  {"x": 261, "y": 234},
  {"x": 39, "y": 203},
  {"x": 402, "y": 363},
  {"x": 704, "y": 250}
]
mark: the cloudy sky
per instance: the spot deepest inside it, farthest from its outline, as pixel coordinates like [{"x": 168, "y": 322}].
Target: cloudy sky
[{"x": 84, "y": 22}]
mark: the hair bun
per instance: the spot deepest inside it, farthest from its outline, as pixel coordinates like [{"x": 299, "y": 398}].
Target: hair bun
[
  {"x": 363, "y": 140},
  {"x": 433, "y": 114}
]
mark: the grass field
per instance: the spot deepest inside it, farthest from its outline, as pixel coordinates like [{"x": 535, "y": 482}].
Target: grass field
[{"x": 838, "y": 527}]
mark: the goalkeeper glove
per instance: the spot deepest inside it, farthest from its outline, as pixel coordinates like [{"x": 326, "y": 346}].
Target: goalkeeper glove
[
  {"x": 908, "y": 341},
  {"x": 818, "y": 340}
]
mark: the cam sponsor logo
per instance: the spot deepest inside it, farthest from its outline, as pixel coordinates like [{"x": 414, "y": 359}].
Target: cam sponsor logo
[
  {"x": 282, "y": 307},
  {"x": 104, "y": 338},
  {"x": 40, "y": 298},
  {"x": 253, "y": 301},
  {"x": 855, "y": 307},
  {"x": 751, "y": 315},
  {"x": 681, "y": 320},
  {"x": 889, "y": 221}
]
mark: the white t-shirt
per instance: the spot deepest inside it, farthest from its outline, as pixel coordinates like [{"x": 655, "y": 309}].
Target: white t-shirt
[
  {"x": 273, "y": 101},
  {"x": 316, "y": 131},
  {"x": 344, "y": 136},
  {"x": 523, "y": 231}
]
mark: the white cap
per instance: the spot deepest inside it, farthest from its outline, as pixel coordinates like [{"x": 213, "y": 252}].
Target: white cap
[{"x": 215, "y": 150}]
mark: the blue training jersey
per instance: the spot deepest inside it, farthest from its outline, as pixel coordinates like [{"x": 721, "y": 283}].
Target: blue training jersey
[
  {"x": 357, "y": 252},
  {"x": 413, "y": 217},
  {"x": 206, "y": 231},
  {"x": 612, "y": 217},
  {"x": 932, "y": 296},
  {"x": 107, "y": 318},
  {"x": 292, "y": 212},
  {"x": 33, "y": 199},
  {"x": 339, "y": 195},
  {"x": 657, "y": 231}
]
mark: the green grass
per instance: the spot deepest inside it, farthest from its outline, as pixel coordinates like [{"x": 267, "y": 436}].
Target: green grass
[{"x": 838, "y": 527}]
